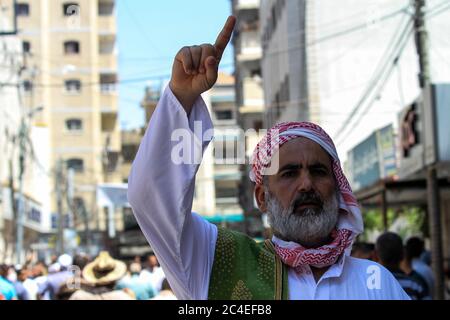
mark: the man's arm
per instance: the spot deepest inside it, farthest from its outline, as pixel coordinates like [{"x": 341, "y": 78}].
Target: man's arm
[{"x": 161, "y": 189}]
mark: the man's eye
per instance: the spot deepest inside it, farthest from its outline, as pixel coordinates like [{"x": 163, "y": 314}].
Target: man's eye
[
  {"x": 320, "y": 172},
  {"x": 288, "y": 174}
]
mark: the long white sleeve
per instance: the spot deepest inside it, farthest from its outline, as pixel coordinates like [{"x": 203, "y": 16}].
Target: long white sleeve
[{"x": 161, "y": 192}]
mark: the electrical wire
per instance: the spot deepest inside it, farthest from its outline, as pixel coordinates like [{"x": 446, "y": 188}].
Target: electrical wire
[{"x": 381, "y": 67}]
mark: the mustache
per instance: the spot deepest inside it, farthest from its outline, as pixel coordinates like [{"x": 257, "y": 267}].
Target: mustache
[{"x": 307, "y": 198}]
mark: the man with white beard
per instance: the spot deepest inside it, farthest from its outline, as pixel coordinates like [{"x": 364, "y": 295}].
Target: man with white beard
[{"x": 299, "y": 183}]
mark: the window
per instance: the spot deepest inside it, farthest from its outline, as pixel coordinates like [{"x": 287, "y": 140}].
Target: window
[
  {"x": 23, "y": 10},
  {"x": 79, "y": 206},
  {"x": 26, "y": 47},
  {"x": 226, "y": 151},
  {"x": 224, "y": 115},
  {"x": 257, "y": 125},
  {"x": 106, "y": 46},
  {"x": 105, "y": 8},
  {"x": 71, "y": 8},
  {"x": 111, "y": 161},
  {"x": 72, "y": 86},
  {"x": 71, "y": 47},
  {"x": 226, "y": 192},
  {"x": 129, "y": 152},
  {"x": 27, "y": 86},
  {"x": 108, "y": 82},
  {"x": 74, "y": 125},
  {"x": 76, "y": 164}
]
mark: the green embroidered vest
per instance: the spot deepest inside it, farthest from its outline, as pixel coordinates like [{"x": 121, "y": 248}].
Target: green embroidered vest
[{"x": 246, "y": 270}]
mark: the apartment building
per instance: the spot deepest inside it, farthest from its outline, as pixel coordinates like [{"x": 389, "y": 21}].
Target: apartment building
[
  {"x": 249, "y": 97},
  {"x": 71, "y": 54},
  {"x": 24, "y": 182}
]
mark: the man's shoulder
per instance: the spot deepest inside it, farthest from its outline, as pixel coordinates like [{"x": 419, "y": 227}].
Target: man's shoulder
[
  {"x": 366, "y": 268},
  {"x": 379, "y": 281},
  {"x": 363, "y": 264},
  {"x": 227, "y": 237}
]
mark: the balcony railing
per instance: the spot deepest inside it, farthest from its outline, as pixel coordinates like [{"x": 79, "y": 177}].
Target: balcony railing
[
  {"x": 111, "y": 140},
  {"x": 108, "y": 62},
  {"x": 107, "y": 25},
  {"x": 108, "y": 88},
  {"x": 253, "y": 92},
  {"x": 247, "y": 4}
]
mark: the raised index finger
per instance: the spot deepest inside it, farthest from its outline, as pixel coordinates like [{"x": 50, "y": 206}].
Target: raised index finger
[{"x": 224, "y": 37}]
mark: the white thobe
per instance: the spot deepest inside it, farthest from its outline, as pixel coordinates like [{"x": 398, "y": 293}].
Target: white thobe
[{"x": 161, "y": 191}]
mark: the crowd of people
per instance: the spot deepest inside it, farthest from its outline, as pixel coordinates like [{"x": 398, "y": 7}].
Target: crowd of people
[
  {"x": 409, "y": 263},
  {"x": 105, "y": 278},
  {"x": 83, "y": 278}
]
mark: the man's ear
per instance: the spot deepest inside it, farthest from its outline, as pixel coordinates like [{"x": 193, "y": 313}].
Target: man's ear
[{"x": 260, "y": 198}]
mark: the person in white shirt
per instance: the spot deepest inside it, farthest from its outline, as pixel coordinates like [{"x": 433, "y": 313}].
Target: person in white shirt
[
  {"x": 299, "y": 184},
  {"x": 153, "y": 273}
]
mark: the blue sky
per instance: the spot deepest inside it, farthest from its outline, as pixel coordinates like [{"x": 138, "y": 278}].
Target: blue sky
[{"x": 150, "y": 33}]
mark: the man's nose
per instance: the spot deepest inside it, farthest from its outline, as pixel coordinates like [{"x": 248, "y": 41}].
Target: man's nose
[{"x": 305, "y": 183}]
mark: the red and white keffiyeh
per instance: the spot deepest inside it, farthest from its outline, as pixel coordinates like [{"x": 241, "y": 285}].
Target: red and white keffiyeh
[{"x": 350, "y": 222}]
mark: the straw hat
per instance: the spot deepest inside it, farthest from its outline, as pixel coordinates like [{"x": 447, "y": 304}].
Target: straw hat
[{"x": 104, "y": 270}]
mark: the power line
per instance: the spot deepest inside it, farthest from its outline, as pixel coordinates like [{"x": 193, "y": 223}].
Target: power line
[
  {"x": 335, "y": 22},
  {"x": 383, "y": 82},
  {"x": 396, "y": 40},
  {"x": 125, "y": 81},
  {"x": 333, "y": 35},
  {"x": 437, "y": 8},
  {"x": 349, "y": 28},
  {"x": 139, "y": 26},
  {"x": 358, "y": 27},
  {"x": 434, "y": 14}
]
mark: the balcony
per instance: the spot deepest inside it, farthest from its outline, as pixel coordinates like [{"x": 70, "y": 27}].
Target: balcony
[
  {"x": 247, "y": 4},
  {"x": 108, "y": 86},
  {"x": 111, "y": 140},
  {"x": 227, "y": 201},
  {"x": 253, "y": 95},
  {"x": 250, "y": 46},
  {"x": 228, "y": 172},
  {"x": 107, "y": 63},
  {"x": 107, "y": 25},
  {"x": 109, "y": 101}
]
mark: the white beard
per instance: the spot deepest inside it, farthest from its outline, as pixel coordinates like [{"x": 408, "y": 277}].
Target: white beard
[{"x": 309, "y": 229}]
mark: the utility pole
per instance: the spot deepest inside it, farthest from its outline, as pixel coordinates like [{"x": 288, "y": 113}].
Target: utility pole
[
  {"x": 87, "y": 233},
  {"x": 23, "y": 132},
  {"x": 433, "y": 195},
  {"x": 70, "y": 194},
  {"x": 13, "y": 234},
  {"x": 59, "y": 183}
]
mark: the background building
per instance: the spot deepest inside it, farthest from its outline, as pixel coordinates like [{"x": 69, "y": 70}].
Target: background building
[
  {"x": 284, "y": 61},
  {"x": 217, "y": 184},
  {"x": 150, "y": 101},
  {"x": 71, "y": 71},
  {"x": 24, "y": 171},
  {"x": 249, "y": 97},
  {"x": 350, "y": 66}
]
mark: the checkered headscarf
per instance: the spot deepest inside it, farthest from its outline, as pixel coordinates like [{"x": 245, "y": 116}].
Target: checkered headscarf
[{"x": 350, "y": 220}]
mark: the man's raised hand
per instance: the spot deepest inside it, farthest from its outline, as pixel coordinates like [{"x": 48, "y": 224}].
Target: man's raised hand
[{"x": 195, "y": 68}]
